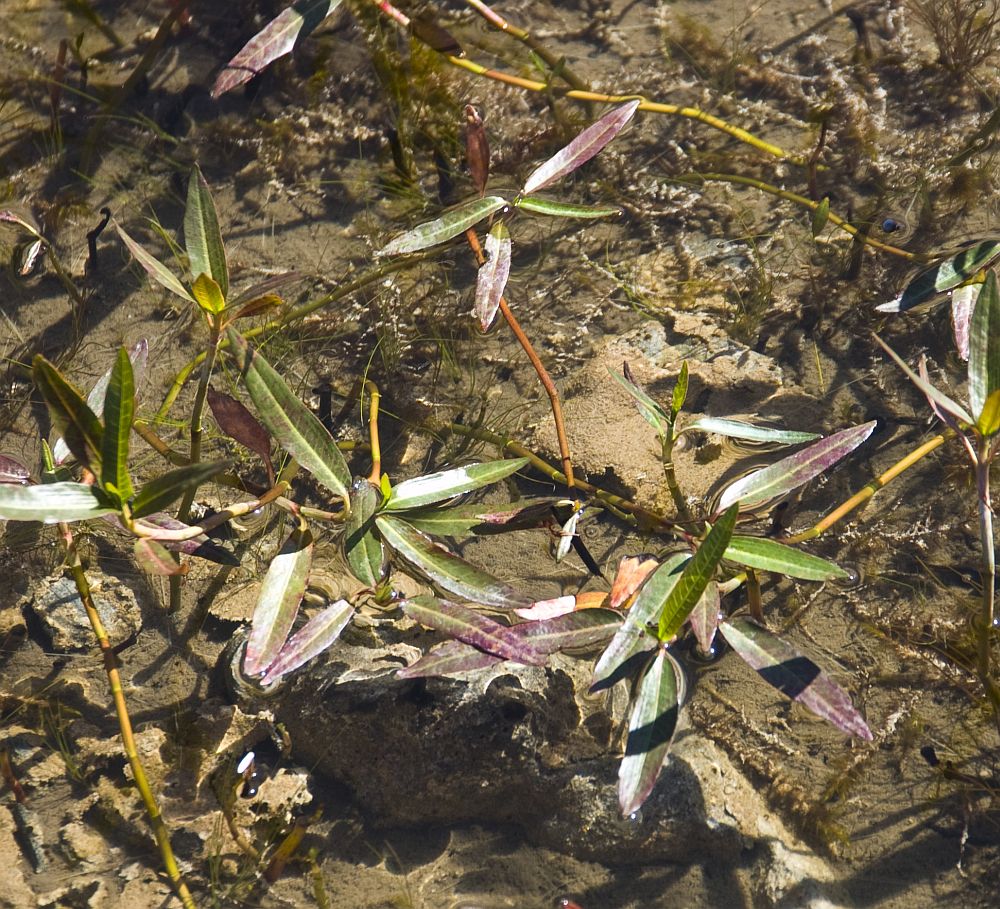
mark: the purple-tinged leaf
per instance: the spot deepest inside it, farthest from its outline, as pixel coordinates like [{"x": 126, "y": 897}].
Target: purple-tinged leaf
[
  {"x": 963, "y": 302},
  {"x": 576, "y": 630},
  {"x": 153, "y": 267},
  {"x": 200, "y": 546},
  {"x": 278, "y": 601},
  {"x": 454, "y": 222},
  {"x": 477, "y": 149},
  {"x": 704, "y": 617},
  {"x": 651, "y": 727},
  {"x": 769, "y": 555},
  {"x": 13, "y": 473},
  {"x": 52, "y": 503},
  {"x": 938, "y": 399},
  {"x": 155, "y": 559},
  {"x": 310, "y": 640},
  {"x": 449, "y": 658},
  {"x": 581, "y": 149},
  {"x": 444, "y": 568},
  {"x": 436, "y": 487},
  {"x": 202, "y": 237},
  {"x": 473, "y": 628},
  {"x": 944, "y": 276},
  {"x": 276, "y": 39},
  {"x": 258, "y": 305},
  {"x": 492, "y": 276},
  {"x": 239, "y": 424},
  {"x": 984, "y": 346},
  {"x": 770, "y": 483},
  {"x": 794, "y": 675},
  {"x": 364, "y": 550},
  {"x": 632, "y": 572},
  {"x": 632, "y": 637}
]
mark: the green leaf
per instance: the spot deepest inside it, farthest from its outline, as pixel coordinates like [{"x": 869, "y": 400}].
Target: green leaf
[
  {"x": 71, "y": 417},
  {"x": 770, "y": 483},
  {"x": 679, "y": 394},
  {"x": 737, "y": 429},
  {"x": 278, "y": 601},
  {"x": 651, "y": 728},
  {"x": 202, "y": 237},
  {"x": 451, "y": 224},
  {"x": 363, "y": 549},
  {"x": 794, "y": 675},
  {"x": 696, "y": 576},
  {"x": 769, "y": 555},
  {"x": 459, "y": 520},
  {"x": 984, "y": 346},
  {"x": 444, "y": 568},
  {"x": 944, "y": 276},
  {"x": 294, "y": 425},
  {"x": 989, "y": 419},
  {"x": 651, "y": 412},
  {"x": 153, "y": 267},
  {"x": 821, "y": 214},
  {"x": 208, "y": 295},
  {"x": 564, "y": 209},
  {"x": 119, "y": 409},
  {"x": 159, "y": 492},
  {"x": 52, "y": 502},
  {"x": 437, "y": 487}
]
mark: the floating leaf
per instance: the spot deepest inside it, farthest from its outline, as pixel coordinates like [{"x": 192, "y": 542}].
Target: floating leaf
[
  {"x": 821, "y": 214},
  {"x": 436, "y": 487},
  {"x": 944, "y": 276},
  {"x": 737, "y": 429},
  {"x": 71, "y": 417},
  {"x": 119, "y": 410},
  {"x": 704, "y": 617},
  {"x": 202, "y": 237},
  {"x": 278, "y": 601},
  {"x": 651, "y": 727},
  {"x": 770, "y": 483},
  {"x": 363, "y": 549},
  {"x": 153, "y": 267},
  {"x": 651, "y": 412},
  {"x": 276, "y": 39},
  {"x": 794, "y": 675},
  {"x": 460, "y": 519},
  {"x": 444, "y": 568},
  {"x": 473, "y": 628},
  {"x": 574, "y": 631},
  {"x": 477, "y": 149},
  {"x": 310, "y": 640},
  {"x": 963, "y": 303},
  {"x": 984, "y": 346},
  {"x": 449, "y": 658},
  {"x": 451, "y": 224},
  {"x": 491, "y": 278},
  {"x": 937, "y": 398},
  {"x": 200, "y": 545},
  {"x": 52, "y": 502},
  {"x": 13, "y": 473},
  {"x": 154, "y": 558},
  {"x": 239, "y": 424},
  {"x": 769, "y": 555},
  {"x": 159, "y": 492},
  {"x": 294, "y": 425},
  {"x": 565, "y": 209},
  {"x": 697, "y": 575},
  {"x": 581, "y": 149}
]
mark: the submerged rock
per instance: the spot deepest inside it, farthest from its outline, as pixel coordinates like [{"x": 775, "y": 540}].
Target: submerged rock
[{"x": 58, "y": 607}]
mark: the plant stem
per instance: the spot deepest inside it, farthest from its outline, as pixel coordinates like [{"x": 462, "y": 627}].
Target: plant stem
[
  {"x": 543, "y": 376},
  {"x": 667, "y": 459},
  {"x": 124, "y": 723},
  {"x": 376, "y": 471},
  {"x": 988, "y": 578}
]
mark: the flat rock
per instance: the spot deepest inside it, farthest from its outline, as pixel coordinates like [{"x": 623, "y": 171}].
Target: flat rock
[{"x": 58, "y": 607}]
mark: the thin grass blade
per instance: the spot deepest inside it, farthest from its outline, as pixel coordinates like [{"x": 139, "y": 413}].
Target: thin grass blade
[
  {"x": 794, "y": 675},
  {"x": 936, "y": 397}
]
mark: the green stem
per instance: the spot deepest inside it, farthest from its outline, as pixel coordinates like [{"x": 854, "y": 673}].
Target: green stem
[
  {"x": 988, "y": 579},
  {"x": 667, "y": 459}
]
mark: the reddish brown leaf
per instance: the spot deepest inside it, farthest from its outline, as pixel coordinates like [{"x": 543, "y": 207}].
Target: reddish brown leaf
[
  {"x": 477, "y": 149},
  {"x": 238, "y": 423}
]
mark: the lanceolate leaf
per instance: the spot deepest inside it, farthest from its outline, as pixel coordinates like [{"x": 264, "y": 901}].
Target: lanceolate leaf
[
  {"x": 278, "y": 601},
  {"x": 821, "y": 214},
  {"x": 632, "y": 571},
  {"x": 936, "y": 397},
  {"x": 159, "y": 492},
  {"x": 770, "y": 483},
  {"x": 208, "y": 295},
  {"x": 679, "y": 394},
  {"x": 200, "y": 546},
  {"x": 155, "y": 559},
  {"x": 202, "y": 237},
  {"x": 238, "y": 423},
  {"x": 119, "y": 409},
  {"x": 444, "y": 568},
  {"x": 769, "y": 555},
  {"x": 72, "y": 418},
  {"x": 363, "y": 549},
  {"x": 564, "y": 209},
  {"x": 459, "y": 520},
  {"x": 153, "y": 267},
  {"x": 651, "y": 412},
  {"x": 275, "y": 40},
  {"x": 794, "y": 675},
  {"x": 52, "y": 502},
  {"x": 651, "y": 727},
  {"x": 945, "y": 276},
  {"x": 473, "y": 628},
  {"x": 737, "y": 429},
  {"x": 449, "y": 658},
  {"x": 581, "y": 149},
  {"x": 436, "y": 487},
  {"x": 984, "y": 346},
  {"x": 963, "y": 303},
  {"x": 310, "y": 640},
  {"x": 696, "y": 576},
  {"x": 704, "y": 617},
  {"x": 451, "y": 224},
  {"x": 492, "y": 276},
  {"x": 477, "y": 149},
  {"x": 294, "y": 425}
]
